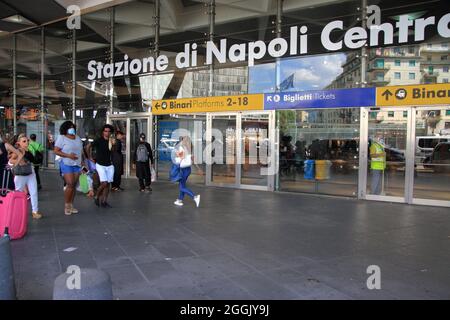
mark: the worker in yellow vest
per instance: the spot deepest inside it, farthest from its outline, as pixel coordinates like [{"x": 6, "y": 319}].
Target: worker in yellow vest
[{"x": 377, "y": 164}]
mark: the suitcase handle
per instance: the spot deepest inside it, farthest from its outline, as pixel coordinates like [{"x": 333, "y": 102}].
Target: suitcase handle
[{"x": 4, "y": 189}]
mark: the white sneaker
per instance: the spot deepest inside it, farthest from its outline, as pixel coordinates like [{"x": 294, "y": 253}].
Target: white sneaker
[
  {"x": 197, "y": 200},
  {"x": 178, "y": 202}
]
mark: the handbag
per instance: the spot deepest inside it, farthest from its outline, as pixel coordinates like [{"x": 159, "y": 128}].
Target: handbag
[
  {"x": 23, "y": 170},
  {"x": 186, "y": 161}
]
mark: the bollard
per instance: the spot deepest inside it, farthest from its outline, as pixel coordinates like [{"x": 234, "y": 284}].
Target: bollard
[
  {"x": 7, "y": 285},
  {"x": 94, "y": 284}
]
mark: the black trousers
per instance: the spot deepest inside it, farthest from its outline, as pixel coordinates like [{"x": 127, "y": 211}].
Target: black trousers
[
  {"x": 117, "y": 180},
  {"x": 38, "y": 178},
  {"x": 144, "y": 174}
]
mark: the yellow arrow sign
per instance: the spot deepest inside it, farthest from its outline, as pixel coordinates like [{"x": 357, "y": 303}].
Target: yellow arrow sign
[
  {"x": 427, "y": 94},
  {"x": 209, "y": 104}
]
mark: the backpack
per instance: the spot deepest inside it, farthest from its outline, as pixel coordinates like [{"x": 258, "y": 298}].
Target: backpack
[
  {"x": 38, "y": 157},
  {"x": 141, "y": 153}
]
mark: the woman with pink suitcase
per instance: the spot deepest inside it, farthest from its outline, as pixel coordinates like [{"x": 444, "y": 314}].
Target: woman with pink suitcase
[
  {"x": 24, "y": 176},
  {"x": 13, "y": 204}
]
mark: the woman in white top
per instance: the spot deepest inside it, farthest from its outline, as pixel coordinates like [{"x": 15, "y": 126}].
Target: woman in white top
[
  {"x": 184, "y": 159},
  {"x": 69, "y": 147}
]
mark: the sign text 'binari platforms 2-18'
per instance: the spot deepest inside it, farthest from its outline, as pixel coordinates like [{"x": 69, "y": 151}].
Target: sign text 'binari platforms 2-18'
[{"x": 209, "y": 104}]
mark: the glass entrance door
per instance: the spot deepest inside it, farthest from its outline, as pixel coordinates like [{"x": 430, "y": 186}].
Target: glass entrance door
[
  {"x": 132, "y": 125},
  {"x": 386, "y": 154},
  {"x": 255, "y": 149},
  {"x": 224, "y": 150},
  {"x": 240, "y": 150},
  {"x": 137, "y": 126},
  {"x": 431, "y": 138},
  {"x": 407, "y": 156}
]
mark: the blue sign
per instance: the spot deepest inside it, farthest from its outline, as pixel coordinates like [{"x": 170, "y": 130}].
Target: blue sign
[{"x": 339, "y": 98}]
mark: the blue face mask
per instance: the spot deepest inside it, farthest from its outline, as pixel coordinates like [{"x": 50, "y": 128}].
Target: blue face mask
[{"x": 71, "y": 131}]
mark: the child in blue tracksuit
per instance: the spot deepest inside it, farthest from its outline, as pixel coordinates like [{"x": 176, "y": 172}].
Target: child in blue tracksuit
[{"x": 183, "y": 158}]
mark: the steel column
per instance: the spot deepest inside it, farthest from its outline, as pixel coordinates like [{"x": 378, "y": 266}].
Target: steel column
[
  {"x": 14, "y": 83},
  {"x": 43, "y": 115},
  {"x": 74, "y": 70},
  {"x": 212, "y": 21}
]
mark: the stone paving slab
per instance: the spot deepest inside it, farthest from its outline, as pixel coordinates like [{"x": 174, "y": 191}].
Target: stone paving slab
[{"x": 237, "y": 245}]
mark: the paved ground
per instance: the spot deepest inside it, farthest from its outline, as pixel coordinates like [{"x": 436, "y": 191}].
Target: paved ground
[{"x": 238, "y": 245}]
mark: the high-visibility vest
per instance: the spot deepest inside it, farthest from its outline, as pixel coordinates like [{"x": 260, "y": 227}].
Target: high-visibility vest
[{"x": 377, "y": 163}]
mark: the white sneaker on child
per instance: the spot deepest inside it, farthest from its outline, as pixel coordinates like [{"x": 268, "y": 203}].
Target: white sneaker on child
[
  {"x": 197, "y": 200},
  {"x": 178, "y": 202}
]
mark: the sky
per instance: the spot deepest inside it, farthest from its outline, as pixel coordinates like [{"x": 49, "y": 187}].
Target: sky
[{"x": 311, "y": 73}]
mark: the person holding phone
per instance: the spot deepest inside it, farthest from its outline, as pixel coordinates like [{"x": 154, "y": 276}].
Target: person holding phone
[{"x": 70, "y": 148}]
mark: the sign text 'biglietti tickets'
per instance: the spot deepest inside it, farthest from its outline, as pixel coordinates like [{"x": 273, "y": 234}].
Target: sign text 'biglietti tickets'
[
  {"x": 428, "y": 94},
  {"x": 209, "y": 104}
]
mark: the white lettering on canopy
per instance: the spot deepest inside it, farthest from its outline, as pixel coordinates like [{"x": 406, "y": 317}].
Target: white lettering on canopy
[{"x": 335, "y": 36}]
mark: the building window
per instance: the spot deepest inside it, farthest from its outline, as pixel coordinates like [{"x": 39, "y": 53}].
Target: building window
[
  {"x": 445, "y": 69},
  {"x": 380, "y": 76},
  {"x": 445, "y": 80},
  {"x": 397, "y": 63},
  {"x": 428, "y": 58},
  {"x": 412, "y": 63},
  {"x": 412, "y": 76},
  {"x": 430, "y": 69},
  {"x": 444, "y": 45},
  {"x": 391, "y": 114},
  {"x": 397, "y": 75},
  {"x": 379, "y": 63},
  {"x": 429, "y": 45},
  {"x": 447, "y": 125},
  {"x": 405, "y": 114},
  {"x": 447, "y": 112},
  {"x": 444, "y": 58},
  {"x": 411, "y": 50}
]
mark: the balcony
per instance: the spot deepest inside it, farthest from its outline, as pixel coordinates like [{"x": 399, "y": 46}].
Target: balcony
[
  {"x": 435, "y": 50},
  {"x": 426, "y": 63},
  {"x": 429, "y": 74},
  {"x": 373, "y": 67},
  {"x": 389, "y": 53},
  {"x": 380, "y": 82}
]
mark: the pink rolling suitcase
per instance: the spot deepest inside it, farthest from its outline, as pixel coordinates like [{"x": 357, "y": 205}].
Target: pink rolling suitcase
[{"x": 13, "y": 210}]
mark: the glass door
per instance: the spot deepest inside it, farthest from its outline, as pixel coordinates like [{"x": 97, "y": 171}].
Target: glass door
[
  {"x": 240, "y": 150},
  {"x": 137, "y": 126},
  {"x": 223, "y": 142},
  {"x": 431, "y": 139},
  {"x": 132, "y": 125},
  {"x": 255, "y": 149},
  {"x": 386, "y": 158}
]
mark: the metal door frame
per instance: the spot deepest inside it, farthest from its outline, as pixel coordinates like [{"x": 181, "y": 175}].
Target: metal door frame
[
  {"x": 238, "y": 166},
  {"x": 363, "y": 158},
  {"x": 127, "y": 118},
  {"x": 422, "y": 201}
]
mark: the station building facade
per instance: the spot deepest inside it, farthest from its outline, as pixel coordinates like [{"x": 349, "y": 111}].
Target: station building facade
[{"x": 45, "y": 80}]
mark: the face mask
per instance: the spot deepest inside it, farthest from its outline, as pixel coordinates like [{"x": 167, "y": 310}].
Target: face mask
[{"x": 71, "y": 131}]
